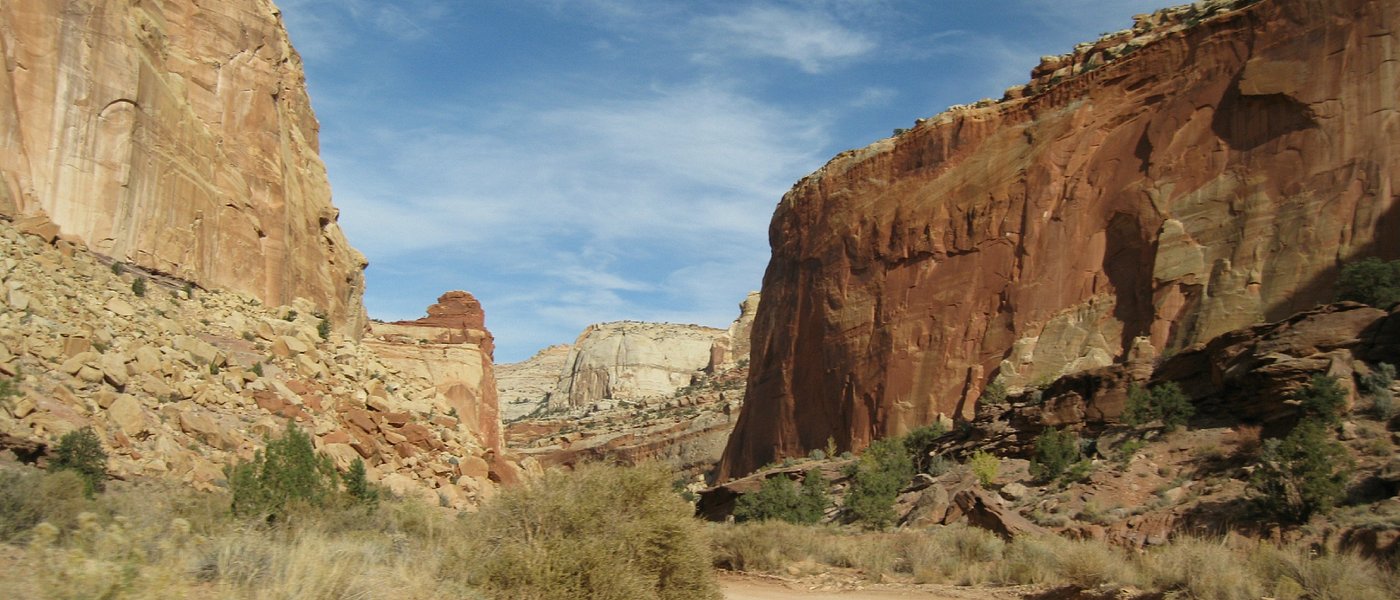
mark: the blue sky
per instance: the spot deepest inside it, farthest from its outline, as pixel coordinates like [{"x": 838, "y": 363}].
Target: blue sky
[{"x": 575, "y": 162}]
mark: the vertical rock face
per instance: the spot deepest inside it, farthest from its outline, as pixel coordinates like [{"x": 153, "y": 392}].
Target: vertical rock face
[
  {"x": 178, "y": 136},
  {"x": 524, "y": 386},
  {"x": 1206, "y": 170},
  {"x": 733, "y": 348},
  {"x": 450, "y": 348},
  {"x": 631, "y": 361}
]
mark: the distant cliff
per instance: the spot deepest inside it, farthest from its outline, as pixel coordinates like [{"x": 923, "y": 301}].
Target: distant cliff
[
  {"x": 177, "y": 136},
  {"x": 1207, "y": 169}
]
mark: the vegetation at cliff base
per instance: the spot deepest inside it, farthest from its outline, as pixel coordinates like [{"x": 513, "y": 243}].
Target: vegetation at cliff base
[
  {"x": 1302, "y": 474},
  {"x": 876, "y": 479},
  {"x": 1165, "y": 402},
  {"x": 780, "y": 499},
  {"x": 1055, "y": 451},
  {"x": 81, "y": 452},
  {"x": 1370, "y": 281}
]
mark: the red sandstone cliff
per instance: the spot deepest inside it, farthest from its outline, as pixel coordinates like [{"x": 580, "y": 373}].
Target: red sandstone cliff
[
  {"x": 1206, "y": 170},
  {"x": 177, "y": 136}
]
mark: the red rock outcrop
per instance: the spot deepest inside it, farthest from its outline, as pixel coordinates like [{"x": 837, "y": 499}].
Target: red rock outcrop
[
  {"x": 177, "y": 136},
  {"x": 452, "y": 349},
  {"x": 1206, "y": 170}
]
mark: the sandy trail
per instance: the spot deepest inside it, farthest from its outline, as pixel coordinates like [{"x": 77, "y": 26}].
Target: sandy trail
[{"x": 748, "y": 587}]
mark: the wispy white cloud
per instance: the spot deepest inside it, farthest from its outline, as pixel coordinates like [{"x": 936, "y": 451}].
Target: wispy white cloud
[{"x": 810, "y": 37}]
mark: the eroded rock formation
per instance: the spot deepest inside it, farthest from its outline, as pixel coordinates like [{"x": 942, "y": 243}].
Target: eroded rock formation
[
  {"x": 451, "y": 349},
  {"x": 1208, "y": 169},
  {"x": 177, "y": 136},
  {"x": 523, "y": 387},
  {"x": 631, "y": 361}
]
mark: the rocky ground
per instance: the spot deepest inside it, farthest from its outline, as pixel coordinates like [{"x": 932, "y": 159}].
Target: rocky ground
[
  {"x": 180, "y": 382},
  {"x": 1143, "y": 485}
]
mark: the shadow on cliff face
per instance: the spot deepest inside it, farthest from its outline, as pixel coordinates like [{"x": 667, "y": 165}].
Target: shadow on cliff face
[
  {"x": 1322, "y": 287},
  {"x": 1246, "y": 122},
  {"x": 1128, "y": 263}
]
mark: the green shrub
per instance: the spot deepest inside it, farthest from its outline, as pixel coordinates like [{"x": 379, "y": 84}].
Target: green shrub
[
  {"x": 81, "y": 452},
  {"x": 778, "y": 498},
  {"x": 994, "y": 394},
  {"x": 358, "y": 486},
  {"x": 1376, "y": 384},
  {"x": 287, "y": 475},
  {"x": 917, "y": 443},
  {"x": 1128, "y": 449},
  {"x": 984, "y": 466},
  {"x": 597, "y": 533},
  {"x": 1370, "y": 281},
  {"x": 1302, "y": 474},
  {"x": 1322, "y": 399},
  {"x": 1055, "y": 451},
  {"x": 138, "y": 286},
  {"x": 876, "y": 479},
  {"x": 324, "y": 329},
  {"x": 257, "y": 369},
  {"x": 1165, "y": 402}
]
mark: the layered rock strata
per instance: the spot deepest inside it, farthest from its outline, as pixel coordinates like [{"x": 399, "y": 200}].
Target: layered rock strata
[
  {"x": 523, "y": 387},
  {"x": 631, "y": 361},
  {"x": 1207, "y": 169},
  {"x": 177, "y": 136},
  {"x": 452, "y": 349}
]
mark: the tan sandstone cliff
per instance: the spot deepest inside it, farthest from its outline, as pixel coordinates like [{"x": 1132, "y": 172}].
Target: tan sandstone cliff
[
  {"x": 631, "y": 361},
  {"x": 1207, "y": 169},
  {"x": 178, "y": 136},
  {"x": 451, "y": 349}
]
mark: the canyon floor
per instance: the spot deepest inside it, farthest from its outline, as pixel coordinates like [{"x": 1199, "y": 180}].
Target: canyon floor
[{"x": 750, "y": 587}]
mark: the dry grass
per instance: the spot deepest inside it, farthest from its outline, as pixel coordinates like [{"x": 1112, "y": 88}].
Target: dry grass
[
  {"x": 635, "y": 539},
  {"x": 1187, "y": 568}
]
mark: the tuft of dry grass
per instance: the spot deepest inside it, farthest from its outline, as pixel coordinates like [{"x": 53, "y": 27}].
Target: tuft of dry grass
[
  {"x": 599, "y": 533},
  {"x": 1186, "y": 568}
]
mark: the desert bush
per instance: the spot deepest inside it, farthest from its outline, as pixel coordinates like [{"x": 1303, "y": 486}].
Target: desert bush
[
  {"x": 1055, "y": 451},
  {"x": 780, "y": 499},
  {"x": 1198, "y": 568},
  {"x": 358, "y": 486},
  {"x": 883, "y": 470},
  {"x": 1302, "y": 474},
  {"x": 994, "y": 394},
  {"x": 917, "y": 443},
  {"x": 1323, "y": 399},
  {"x": 1295, "y": 571},
  {"x": 287, "y": 475},
  {"x": 29, "y": 497},
  {"x": 984, "y": 466},
  {"x": 599, "y": 532},
  {"x": 1127, "y": 450},
  {"x": 138, "y": 286},
  {"x": 1165, "y": 402},
  {"x": 1370, "y": 281},
  {"x": 81, "y": 452},
  {"x": 323, "y": 329},
  {"x": 1376, "y": 384}
]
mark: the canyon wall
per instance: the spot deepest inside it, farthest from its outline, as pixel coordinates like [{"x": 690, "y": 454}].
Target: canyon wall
[
  {"x": 631, "y": 361},
  {"x": 1207, "y": 169},
  {"x": 177, "y": 136}
]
